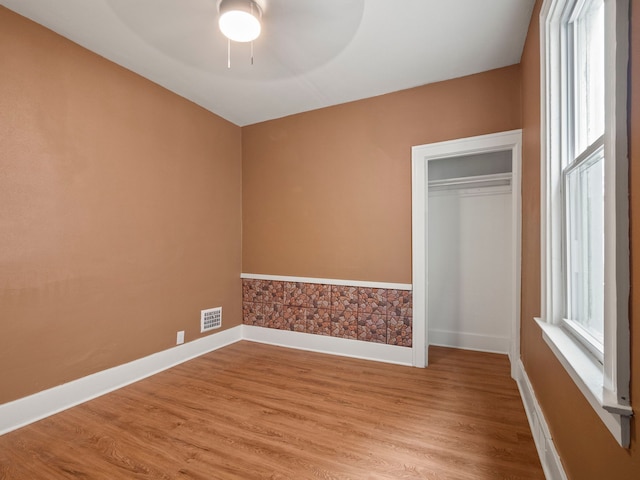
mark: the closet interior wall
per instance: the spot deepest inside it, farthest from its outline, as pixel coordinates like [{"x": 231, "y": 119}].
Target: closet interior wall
[{"x": 469, "y": 248}]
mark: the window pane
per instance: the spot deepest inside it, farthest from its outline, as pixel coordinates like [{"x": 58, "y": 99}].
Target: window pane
[
  {"x": 585, "y": 244},
  {"x": 588, "y": 75}
]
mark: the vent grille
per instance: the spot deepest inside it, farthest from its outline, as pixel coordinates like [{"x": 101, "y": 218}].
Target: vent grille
[{"x": 210, "y": 319}]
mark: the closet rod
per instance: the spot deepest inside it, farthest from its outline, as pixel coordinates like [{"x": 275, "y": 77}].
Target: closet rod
[{"x": 495, "y": 179}]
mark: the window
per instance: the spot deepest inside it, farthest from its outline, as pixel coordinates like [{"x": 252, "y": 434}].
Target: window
[
  {"x": 585, "y": 264},
  {"x": 583, "y": 175}
]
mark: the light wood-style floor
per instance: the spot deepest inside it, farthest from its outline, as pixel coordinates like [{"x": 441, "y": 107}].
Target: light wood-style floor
[{"x": 257, "y": 411}]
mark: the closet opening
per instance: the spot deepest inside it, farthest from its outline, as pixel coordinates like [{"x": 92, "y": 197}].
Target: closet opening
[
  {"x": 469, "y": 250},
  {"x": 466, "y": 245}
]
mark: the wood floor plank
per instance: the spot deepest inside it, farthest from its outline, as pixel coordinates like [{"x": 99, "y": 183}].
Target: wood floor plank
[{"x": 257, "y": 411}]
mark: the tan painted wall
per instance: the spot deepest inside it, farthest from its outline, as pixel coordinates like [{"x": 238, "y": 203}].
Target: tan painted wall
[
  {"x": 327, "y": 193},
  {"x": 120, "y": 212},
  {"x": 109, "y": 230},
  {"x": 588, "y": 450}
]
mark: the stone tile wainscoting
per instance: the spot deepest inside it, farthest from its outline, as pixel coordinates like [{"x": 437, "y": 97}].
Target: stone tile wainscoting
[{"x": 359, "y": 313}]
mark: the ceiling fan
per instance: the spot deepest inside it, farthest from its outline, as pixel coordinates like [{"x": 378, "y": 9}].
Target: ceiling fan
[
  {"x": 239, "y": 20},
  {"x": 293, "y": 36}
]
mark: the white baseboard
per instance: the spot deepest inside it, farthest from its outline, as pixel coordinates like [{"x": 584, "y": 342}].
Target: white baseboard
[
  {"x": 551, "y": 463},
  {"x": 469, "y": 341},
  {"x": 24, "y": 411},
  {"x": 324, "y": 344}
]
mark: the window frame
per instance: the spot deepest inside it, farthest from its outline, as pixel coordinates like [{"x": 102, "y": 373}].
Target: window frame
[{"x": 605, "y": 384}]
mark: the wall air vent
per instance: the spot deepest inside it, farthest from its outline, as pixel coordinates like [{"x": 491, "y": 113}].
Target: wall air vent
[{"x": 210, "y": 319}]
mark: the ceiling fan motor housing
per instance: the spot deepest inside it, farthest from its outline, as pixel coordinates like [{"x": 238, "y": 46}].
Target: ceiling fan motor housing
[{"x": 253, "y": 7}]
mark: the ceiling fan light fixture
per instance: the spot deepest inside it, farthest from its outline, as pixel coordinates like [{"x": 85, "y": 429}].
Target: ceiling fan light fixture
[{"x": 240, "y": 20}]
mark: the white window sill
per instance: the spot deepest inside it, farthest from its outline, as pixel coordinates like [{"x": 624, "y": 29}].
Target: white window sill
[{"x": 588, "y": 375}]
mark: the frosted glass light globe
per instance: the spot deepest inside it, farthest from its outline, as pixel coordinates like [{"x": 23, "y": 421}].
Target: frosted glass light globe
[{"x": 239, "y": 26}]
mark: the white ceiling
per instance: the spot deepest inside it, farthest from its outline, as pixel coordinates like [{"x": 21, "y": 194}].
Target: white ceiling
[{"x": 311, "y": 54}]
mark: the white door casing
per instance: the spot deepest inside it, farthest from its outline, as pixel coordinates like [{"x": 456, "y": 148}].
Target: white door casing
[{"x": 421, "y": 154}]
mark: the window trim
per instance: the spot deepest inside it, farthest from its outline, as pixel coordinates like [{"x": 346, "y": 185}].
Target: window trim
[{"x": 605, "y": 386}]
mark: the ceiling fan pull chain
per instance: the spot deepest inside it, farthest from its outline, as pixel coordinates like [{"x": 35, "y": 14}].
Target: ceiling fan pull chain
[
  {"x": 252, "y": 14},
  {"x": 228, "y": 53}
]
